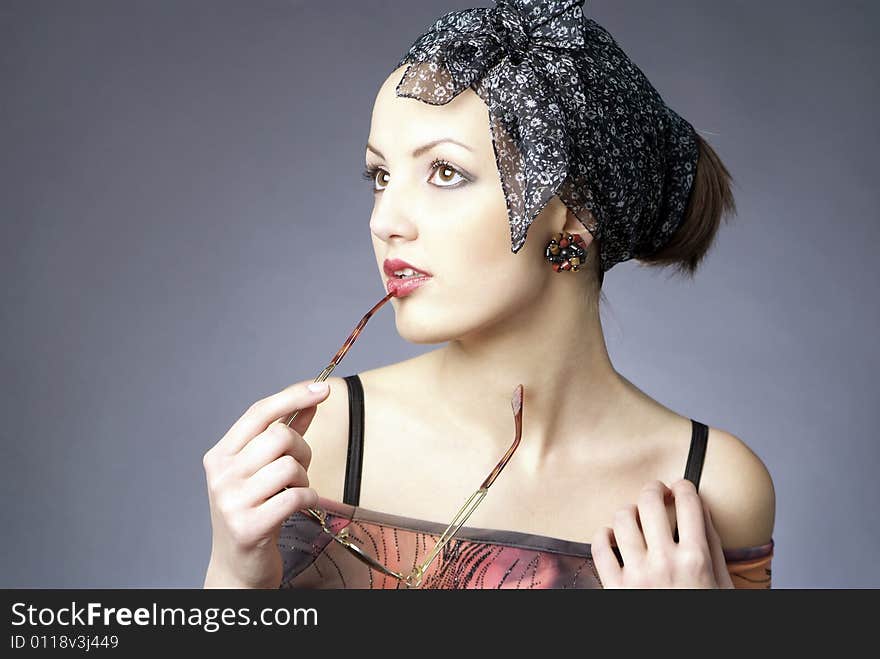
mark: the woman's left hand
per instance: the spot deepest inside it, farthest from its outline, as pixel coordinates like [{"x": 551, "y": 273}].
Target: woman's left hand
[{"x": 651, "y": 558}]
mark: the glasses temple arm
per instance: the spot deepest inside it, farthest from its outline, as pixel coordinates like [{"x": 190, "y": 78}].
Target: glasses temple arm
[
  {"x": 355, "y": 333},
  {"x": 474, "y": 500},
  {"x": 460, "y": 518}
]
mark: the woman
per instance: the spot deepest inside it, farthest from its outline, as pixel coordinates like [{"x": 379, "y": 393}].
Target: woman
[{"x": 594, "y": 495}]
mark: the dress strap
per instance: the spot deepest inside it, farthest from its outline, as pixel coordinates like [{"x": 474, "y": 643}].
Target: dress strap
[
  {"x": 354, "y": 462},
  {"x": 696, "y": 454}
]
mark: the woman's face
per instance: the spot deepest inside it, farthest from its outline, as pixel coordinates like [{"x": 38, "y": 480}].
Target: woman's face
[{"x": 442, "y": 209}]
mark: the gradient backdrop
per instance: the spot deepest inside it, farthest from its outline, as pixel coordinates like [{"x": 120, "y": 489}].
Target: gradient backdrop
[{"x": 185, "y": 230}]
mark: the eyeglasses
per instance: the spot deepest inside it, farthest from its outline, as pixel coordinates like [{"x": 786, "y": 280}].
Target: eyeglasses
[{"x": 414, "y": 578}]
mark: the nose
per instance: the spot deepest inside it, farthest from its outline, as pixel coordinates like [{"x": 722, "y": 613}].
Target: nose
[{"x": 393, "y": 214}]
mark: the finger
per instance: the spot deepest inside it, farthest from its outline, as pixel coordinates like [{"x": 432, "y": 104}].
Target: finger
[
  {"x": 604, "y": 559},
  {"x": 689, "y": 513},
  {"x": 719, "y": 563},
  {"x": 275, "y": 441},
  {"x": 269, "y": 515},
  {"x": 303, "y": 420},
  {"x": 259, "y": 415},
  {"x": 275, "y": 476},
  {"x": 653, "y": 516},
  {"x": 630, "y": 540}
]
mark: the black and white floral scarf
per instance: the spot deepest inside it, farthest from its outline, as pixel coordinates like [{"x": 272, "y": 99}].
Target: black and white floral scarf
[{"x": 570, "y": 115}]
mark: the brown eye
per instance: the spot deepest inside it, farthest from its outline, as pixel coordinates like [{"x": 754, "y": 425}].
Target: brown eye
[
  {"x": 446, "y": 174},
  {"x": 381, "y": 175},
  {"x": 371, "y": 173}
]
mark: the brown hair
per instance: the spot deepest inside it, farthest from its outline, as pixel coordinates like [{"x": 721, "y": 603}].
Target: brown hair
[{"x": 710, "y": 200}]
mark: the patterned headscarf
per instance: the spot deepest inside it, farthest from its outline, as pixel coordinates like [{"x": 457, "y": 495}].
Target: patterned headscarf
[{"x": 570, "y": 115}]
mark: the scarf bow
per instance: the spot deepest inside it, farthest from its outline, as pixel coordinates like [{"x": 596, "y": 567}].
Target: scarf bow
[{"x": 470, "y": 42}]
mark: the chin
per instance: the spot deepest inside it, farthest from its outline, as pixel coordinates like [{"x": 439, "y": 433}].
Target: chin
[
  {"x": 415, "y": 326},
  {"x": 421, "y": 333},
  {"x": 423, "y": 323}
]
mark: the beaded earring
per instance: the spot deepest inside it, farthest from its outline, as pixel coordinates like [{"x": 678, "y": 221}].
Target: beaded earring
[{"x": 566, "y": 253}]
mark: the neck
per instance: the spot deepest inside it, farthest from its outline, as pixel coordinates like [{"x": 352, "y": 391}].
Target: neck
[{"x": 556, "y": 349}]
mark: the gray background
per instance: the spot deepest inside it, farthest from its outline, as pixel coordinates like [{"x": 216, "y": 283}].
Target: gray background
[{"x": 185, "y": 231}]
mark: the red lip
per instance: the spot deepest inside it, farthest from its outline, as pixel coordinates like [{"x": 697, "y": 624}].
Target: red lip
[
  {"x": 392, "y": 265},
  {"x": 402, "y": 287}
]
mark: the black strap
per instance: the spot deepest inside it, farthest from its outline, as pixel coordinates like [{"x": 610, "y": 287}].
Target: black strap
[
  {"x": 696, "y": 454},
  {"x": 699, "y": 438},
  {"x": 354, "y": 462}
]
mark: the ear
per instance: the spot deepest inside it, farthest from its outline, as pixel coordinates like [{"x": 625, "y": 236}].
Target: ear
[{"x": 574, "y": 225}]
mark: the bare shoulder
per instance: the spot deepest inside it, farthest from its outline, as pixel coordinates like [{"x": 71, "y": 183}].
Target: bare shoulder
[
  {"x": 327, "y": 436},
  {"x": 738, "y": 488}
]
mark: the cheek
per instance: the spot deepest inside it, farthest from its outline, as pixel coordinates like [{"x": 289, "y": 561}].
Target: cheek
[
  {"x": 472, "y": 239},
  {"x": 477, "y": 218},
  {"x": 473, "y": 234},
  {"x": 482, "y": 273}
]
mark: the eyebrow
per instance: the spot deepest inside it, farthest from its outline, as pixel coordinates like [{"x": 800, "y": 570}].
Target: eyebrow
[{"x": 420, "y": 150}]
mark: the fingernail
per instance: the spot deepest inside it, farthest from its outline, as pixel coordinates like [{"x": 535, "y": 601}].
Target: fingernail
[{"x": 318, "y": 386}]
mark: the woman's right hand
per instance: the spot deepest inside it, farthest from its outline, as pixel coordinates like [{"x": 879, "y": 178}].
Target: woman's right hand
[{"x": 247, "y": 471}]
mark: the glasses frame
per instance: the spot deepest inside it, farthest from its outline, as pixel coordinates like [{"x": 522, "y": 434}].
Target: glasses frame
[{"x": 415, "y": 577}]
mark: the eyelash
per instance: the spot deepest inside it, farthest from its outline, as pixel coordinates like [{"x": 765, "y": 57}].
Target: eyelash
[{"x": 370, "y": 173}]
